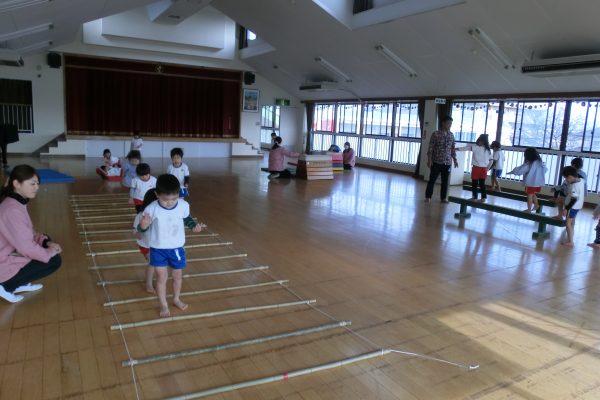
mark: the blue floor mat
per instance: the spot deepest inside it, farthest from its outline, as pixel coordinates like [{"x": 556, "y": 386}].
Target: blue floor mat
[{"x": 52, "y": 176}]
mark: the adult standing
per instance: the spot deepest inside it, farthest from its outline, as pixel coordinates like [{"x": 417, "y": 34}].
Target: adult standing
[
  {"x": 440, "y": 157},
  {"x": 25, "y": 255}
]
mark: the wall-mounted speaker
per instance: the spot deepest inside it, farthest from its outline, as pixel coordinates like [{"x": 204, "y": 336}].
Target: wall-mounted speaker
[
  {"x": 249, "y": 78},
  {"x": 54, "y": 60}
]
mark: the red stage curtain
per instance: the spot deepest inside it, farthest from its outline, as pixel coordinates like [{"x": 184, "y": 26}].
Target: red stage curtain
[{"x": 110, "y": 97}]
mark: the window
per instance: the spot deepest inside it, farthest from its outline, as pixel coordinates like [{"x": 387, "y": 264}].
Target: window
[
  {"x": 471, "y": 119},
  {"x": 533, "y": 124},
  {"x": 377, "y": 119},
  {"x": 269, "y": 122},
  {"x": 323, "y": 118},
  {"x": 584, "y": 127},
  {"x": 347, "y": 118},
  {"x": 406, "y": 122}
]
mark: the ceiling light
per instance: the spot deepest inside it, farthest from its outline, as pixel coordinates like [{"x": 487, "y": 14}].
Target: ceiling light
[
  {"x": 26, "y": 32},
  {"x": 397, "y": 61},
  {"x": 332, "y": 68},
  {"x": 33, "y": 47},
  {"x": 250, "y": 35},
  {"x": 487, "y": 43},
  {"x": 12, "y": 5}
]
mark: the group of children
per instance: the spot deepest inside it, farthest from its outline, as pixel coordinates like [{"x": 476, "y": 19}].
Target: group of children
[
  {"x": 569, "y": 196},
  {"x": 162, "y": 215}
]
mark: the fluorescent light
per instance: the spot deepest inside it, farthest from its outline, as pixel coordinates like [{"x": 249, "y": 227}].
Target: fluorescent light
[
  {"x": 26, "y": 32},
  {"x": 35, "y": 46},
  {"x": 250, "y": 35},
  {"x": 12, "y": 5},
  {"x": 397, "y": 61},
  {"x": 332, "y": 68},
  {"x": 487, "y": 43}
]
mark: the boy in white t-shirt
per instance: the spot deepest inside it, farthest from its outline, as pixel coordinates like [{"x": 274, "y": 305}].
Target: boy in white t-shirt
[
  {"x": 140, "y": 185},
  {"x": 168, "y": 216},
  {"x": 574, "y": 201},
  {"x": 180, "y": 170}
]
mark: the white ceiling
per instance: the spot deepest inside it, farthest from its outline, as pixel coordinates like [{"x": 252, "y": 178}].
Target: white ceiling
[{"x": 436, "y": 44}]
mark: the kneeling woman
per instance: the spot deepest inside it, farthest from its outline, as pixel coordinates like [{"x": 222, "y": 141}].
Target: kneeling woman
[
  {"x": 276, "y": 157},
  {"x": 25, "y": 255}
]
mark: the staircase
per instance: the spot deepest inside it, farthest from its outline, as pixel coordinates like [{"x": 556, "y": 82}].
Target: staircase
[
  {"x": 245, "y": 149},
  {"x": 52, "y": 143}
]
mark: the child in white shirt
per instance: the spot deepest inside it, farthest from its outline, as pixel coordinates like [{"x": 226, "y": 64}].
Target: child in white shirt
[
  {"x": 534, "y": 176},
  {"x": 142, "y": 239},
  {"x": 481, "y": 160},
  {"x": 136, "y": 143},
  {"x": 574, "y": 200},
  {"x": 111, "y": 165},
  {"x": 179, "y": 169},
  {"x": 140, "y": 185},
  {"x": 167, "y": 217}
]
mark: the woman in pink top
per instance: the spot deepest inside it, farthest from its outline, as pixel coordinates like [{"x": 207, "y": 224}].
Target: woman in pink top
[
  {"x": 25, "y": 255},
  {"x": 276, "y": 157}
]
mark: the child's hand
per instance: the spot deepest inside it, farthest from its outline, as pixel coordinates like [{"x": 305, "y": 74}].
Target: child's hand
[
  {"x": 130, "y": 201},
  {"x": 198, "y": 228},
  {"x": 146, "y": 221}
]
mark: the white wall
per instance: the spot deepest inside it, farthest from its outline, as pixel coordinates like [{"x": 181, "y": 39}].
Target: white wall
[
  {"x": 48, "y": 102},
  {"x": 291, "y": 116}
]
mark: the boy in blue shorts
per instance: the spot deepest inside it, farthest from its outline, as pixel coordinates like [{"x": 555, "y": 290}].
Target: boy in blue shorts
[{"x": 168, "y": 216}]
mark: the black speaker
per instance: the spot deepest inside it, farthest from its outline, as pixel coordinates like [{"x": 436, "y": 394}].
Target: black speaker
[
  {"x": 54, "y": 60},
  {"x": 249, "y": 78}
]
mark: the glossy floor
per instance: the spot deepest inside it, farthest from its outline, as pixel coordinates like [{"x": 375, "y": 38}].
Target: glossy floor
[{"x": 364, "y": 246}]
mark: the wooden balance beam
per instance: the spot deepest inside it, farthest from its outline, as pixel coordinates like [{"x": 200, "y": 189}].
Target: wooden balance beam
[
  {"x": 542, "y": 220},
  {"x": 515, "y": 196}
]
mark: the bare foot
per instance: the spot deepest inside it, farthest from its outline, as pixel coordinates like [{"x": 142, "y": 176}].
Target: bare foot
[
  {"x": 559, "y": 217},
  {"x": 150, "y": 289},
  {"x": 527, "y": 211},
  {"x": 164, "y": 312},
  {"x": 180, "y": 304},
  {"x": 534, "y": 209},
  {"x": 568, "y": 244},
  {"x": 594, "y": 245}
]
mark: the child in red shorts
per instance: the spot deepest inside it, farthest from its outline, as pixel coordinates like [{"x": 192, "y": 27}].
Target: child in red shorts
[
  {"x": 482, "y": 161},
  {"x": 534, "y": 176}
]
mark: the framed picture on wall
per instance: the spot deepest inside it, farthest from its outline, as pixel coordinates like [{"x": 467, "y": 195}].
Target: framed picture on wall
[{"x": 250, "y": 101}]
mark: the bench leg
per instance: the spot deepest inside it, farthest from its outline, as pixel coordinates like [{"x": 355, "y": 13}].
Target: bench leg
[
  {"x": 539, "y": 210},
  {"x": 463, "y": 212},
  {"x": 541, "y": 232}
]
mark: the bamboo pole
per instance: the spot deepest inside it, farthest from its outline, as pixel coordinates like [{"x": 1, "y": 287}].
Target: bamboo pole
[
  {"x": 107, "y": 232},
  {"x": 188, "y": 276},
  {"x": 134, "y": 239},
  {"x": 129, "y": 251},
  {"x": 84, "y": 211},
  {"x": 198, "y": 292},
  {"x": 76, "y": 196},
  {"x": 233, "y": 345},
  {"x": 105, "y": 216},
  {"x": 208, "y": 314},
  {"x": 143, "y": 264},
  {"x": 91, "y": 206},
  {"x": 128, "y": 221},
  {"x": 281, "y": 377}
]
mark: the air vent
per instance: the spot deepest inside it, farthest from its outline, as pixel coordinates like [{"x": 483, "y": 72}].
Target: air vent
[{"x": 588, "y": 64}]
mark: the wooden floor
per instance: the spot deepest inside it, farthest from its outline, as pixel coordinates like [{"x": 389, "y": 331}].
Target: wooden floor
[{"x": 364, "y": 246}]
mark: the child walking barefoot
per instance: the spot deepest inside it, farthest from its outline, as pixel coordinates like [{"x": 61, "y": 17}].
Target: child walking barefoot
[
  {"x": 168, "y": 216},
  {"x": 533, "y": 171}
]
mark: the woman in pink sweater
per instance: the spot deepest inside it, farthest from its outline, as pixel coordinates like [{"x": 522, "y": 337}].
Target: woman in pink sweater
[
  {"x": 25, "y": 255},
  {"x": 276, "y": 157}
]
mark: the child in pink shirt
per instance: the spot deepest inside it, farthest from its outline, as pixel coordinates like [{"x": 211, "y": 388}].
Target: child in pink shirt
[{"x": 277, "y": 156}]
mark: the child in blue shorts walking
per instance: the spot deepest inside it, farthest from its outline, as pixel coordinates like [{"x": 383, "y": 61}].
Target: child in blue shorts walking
[{"x": 168, "y": 216}]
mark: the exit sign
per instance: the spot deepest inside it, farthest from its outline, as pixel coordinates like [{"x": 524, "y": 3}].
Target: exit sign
[{"x": 282, "y": 102}]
